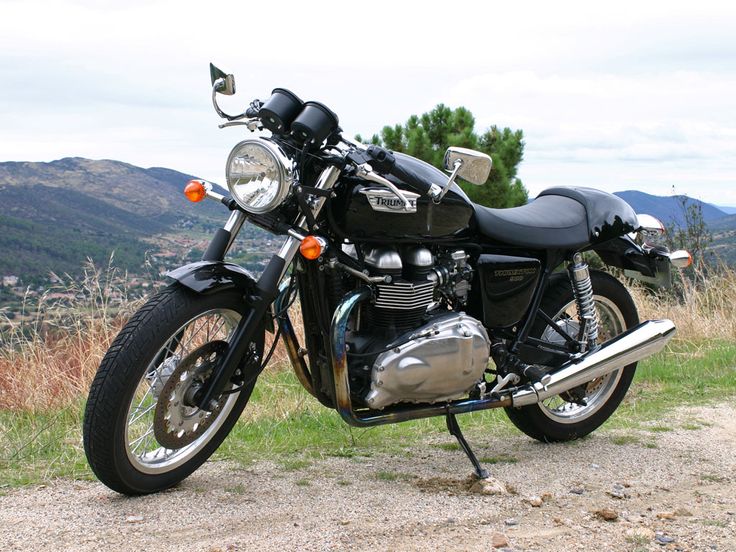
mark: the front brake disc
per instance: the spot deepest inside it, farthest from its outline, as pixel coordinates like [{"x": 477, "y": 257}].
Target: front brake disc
[{"x": 176, "y": 424}]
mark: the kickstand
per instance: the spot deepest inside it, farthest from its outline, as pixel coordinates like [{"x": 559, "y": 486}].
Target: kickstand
[{"x": 454, "y": 429}]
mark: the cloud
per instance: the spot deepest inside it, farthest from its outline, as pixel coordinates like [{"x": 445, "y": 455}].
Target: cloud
[
  {"x": 599, "y": 124},
  {"x": 633, "y": 92}
]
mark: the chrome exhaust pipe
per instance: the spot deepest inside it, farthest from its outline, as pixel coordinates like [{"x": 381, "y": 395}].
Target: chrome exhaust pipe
[{"x": 633, "y": 345}]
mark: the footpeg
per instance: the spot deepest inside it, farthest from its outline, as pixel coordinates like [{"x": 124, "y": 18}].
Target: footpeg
[{"x": 536, "y": 374}]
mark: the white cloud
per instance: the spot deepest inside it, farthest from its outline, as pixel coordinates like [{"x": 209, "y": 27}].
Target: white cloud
[
  {"x": 649, "y": 130},
  {"x": 631, "y": 94}
]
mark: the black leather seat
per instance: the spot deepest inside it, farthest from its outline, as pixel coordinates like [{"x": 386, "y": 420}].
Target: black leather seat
[{"x": 548, "y": 222}]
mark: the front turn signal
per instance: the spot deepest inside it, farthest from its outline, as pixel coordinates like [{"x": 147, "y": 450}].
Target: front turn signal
[
  {"x": 312, "y": 247},
  {"x": 195, "y": 191}
]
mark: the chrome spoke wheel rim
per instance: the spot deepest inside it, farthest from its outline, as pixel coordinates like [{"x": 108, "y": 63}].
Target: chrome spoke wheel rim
[
  {"x": 142, "y": 448},
  {"x": 597, "y": 391}
]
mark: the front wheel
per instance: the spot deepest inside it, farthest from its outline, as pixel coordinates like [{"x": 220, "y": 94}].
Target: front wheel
[
  {"x": 140, "y": 435},
  {"x": 564, "y": 417}
]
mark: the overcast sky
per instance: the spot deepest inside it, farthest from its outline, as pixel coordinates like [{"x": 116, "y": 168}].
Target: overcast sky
[{"x": 630, "y": 95}]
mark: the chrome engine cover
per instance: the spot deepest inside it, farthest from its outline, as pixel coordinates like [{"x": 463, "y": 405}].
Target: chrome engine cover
[{"x": 439, "y": 361}]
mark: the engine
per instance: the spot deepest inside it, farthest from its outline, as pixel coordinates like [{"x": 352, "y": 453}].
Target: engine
[{"x": 413, "y": 343}]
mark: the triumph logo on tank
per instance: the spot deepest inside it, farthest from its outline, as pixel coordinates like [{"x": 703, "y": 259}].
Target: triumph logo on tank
[{"x": 381, "y": 199}]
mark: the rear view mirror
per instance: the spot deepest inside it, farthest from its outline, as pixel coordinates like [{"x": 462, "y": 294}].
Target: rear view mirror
[
  {"x": 468, "y": 164},
  {"x": 222, "y": 82}
]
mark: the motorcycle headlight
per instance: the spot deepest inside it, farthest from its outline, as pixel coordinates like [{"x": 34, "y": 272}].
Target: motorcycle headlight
[{"x": 259, "y": 175}]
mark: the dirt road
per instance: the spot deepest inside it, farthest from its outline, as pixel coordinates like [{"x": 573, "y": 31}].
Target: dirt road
[{"x": 663, "y": 490}]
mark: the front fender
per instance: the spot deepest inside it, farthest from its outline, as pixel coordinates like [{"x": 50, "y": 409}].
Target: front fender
[{"x": 210, "y": 276}]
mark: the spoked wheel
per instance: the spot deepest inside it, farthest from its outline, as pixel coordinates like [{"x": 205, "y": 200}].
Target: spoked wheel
[
  {"x": 581, "y": 410},
  {"x": 141, "y": 432}
]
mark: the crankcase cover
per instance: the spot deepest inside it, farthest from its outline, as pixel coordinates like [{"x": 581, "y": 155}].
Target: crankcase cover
[{"x": 439, "y": 361}]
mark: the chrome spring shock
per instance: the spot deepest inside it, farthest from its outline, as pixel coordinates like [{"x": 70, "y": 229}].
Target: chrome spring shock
[{"x": 582, "y": 289}]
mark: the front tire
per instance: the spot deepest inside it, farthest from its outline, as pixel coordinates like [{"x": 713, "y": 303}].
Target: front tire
[
  {"x": 135, "y": 404},
  {"x": 557, "y": 419}
]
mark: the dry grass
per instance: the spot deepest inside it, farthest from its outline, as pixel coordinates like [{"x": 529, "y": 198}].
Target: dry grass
[
  {"x": 49, "y": 362},
  {"x": 702, "y": 309},
  {"x": 48, "y": 359}
]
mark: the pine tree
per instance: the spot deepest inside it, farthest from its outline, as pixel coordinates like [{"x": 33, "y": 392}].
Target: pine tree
[{"x": 427, "y": 136}]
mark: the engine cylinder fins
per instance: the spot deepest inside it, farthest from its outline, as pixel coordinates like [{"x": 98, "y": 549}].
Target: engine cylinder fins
[
  {"x": 404, "y": 295},
  {"x": 395, "y": 321}
]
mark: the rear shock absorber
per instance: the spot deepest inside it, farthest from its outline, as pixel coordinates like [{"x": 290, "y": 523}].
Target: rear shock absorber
[{"x": 582, "y": 289}]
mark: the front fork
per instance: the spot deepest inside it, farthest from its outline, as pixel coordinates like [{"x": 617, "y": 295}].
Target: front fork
[
  {"x": 224, "y": 237},
  {"x": 263, "y": 294}
]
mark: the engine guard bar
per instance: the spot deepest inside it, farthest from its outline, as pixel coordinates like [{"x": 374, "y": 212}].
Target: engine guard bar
[{"x": 291, "y": 343}]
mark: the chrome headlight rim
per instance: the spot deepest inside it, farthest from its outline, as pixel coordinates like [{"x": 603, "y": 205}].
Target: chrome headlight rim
[{"x": 285, "y": 168}]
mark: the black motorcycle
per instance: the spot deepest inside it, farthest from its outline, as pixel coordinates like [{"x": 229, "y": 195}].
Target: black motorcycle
[{"x": 415, "y": 302}]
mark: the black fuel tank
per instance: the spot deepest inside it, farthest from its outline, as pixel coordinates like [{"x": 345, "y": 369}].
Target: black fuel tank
[{"x": 365, "y": 211}]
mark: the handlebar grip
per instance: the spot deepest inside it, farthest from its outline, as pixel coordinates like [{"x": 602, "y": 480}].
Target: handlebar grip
[{"x": 384, "y": 161}]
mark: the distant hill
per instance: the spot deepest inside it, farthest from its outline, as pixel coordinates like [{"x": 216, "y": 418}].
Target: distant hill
[
  {"x": 57, "y": 214},
  {"x": 724, "y": 224},
  {"x": 724, "y": 238},
  {"x": 668, "y": 209},
  {"x": 727, "y": 210}
]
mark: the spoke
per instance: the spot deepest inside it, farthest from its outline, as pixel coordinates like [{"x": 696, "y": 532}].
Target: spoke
[
  {"x": 146, "y": 443},
  {"x": 220, "y": 327},
  {"x": 143, "y": 446},
  {"x": 193, "y": 335},
  {"x": 139, "y": 416},
  {"x": 139, "y": 440},
  {"x": 145, "y": 395}
]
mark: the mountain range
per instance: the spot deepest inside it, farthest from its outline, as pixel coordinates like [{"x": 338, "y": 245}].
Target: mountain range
[
  {"x": 56, "y": 215},
  {"x": 670, "y": 209}
]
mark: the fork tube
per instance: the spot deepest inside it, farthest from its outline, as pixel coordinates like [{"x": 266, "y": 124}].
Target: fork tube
[
  {"x": 224, "y": 237},
  {"x": 264, "y": 292},
  {"x": 326, "y": 181}
]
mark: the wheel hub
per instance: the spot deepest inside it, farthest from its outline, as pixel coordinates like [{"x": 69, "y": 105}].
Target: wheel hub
[{"x": 176, "y": 424}]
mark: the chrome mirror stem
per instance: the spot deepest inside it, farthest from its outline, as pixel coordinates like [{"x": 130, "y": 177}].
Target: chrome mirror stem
[
  {"x": 216, "y": 87},
  {"x": 437, "y": 197}
]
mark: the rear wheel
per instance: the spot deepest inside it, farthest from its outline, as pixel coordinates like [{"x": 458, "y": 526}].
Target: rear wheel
[
  {"x": 140, "y": 435},
  {"x": 566, "y": 417}
]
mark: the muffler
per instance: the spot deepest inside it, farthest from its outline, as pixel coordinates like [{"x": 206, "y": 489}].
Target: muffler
[{"x": 633, "y": 345}]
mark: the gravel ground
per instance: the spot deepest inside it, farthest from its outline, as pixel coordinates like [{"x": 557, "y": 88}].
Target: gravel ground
[{"x": 667, "y": 490}]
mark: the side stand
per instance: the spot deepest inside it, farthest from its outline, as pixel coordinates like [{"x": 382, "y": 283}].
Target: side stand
[{"x": 454, "y": 429}]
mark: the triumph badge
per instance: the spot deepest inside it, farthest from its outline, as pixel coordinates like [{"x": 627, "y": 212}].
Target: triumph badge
[{"x": 386, "y": 201}]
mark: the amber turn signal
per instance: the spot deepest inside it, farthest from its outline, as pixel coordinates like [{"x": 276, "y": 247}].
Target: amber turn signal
[
  {"x": 195, "y": 191},
  {"x": 312, "y": 247}
]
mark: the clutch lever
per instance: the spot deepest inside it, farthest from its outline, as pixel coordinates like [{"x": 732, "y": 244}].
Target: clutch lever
[
  {"x": 365, "y": 172},
  {"x": 252, "y": 124}
]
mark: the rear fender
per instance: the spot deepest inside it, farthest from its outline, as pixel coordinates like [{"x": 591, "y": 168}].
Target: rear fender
[{"x": 647, "y": 264}]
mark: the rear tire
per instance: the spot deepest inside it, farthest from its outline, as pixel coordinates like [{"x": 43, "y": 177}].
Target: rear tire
[
  {"x": 556, "y": 419},
  {"x": 126, "y": 394}
]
